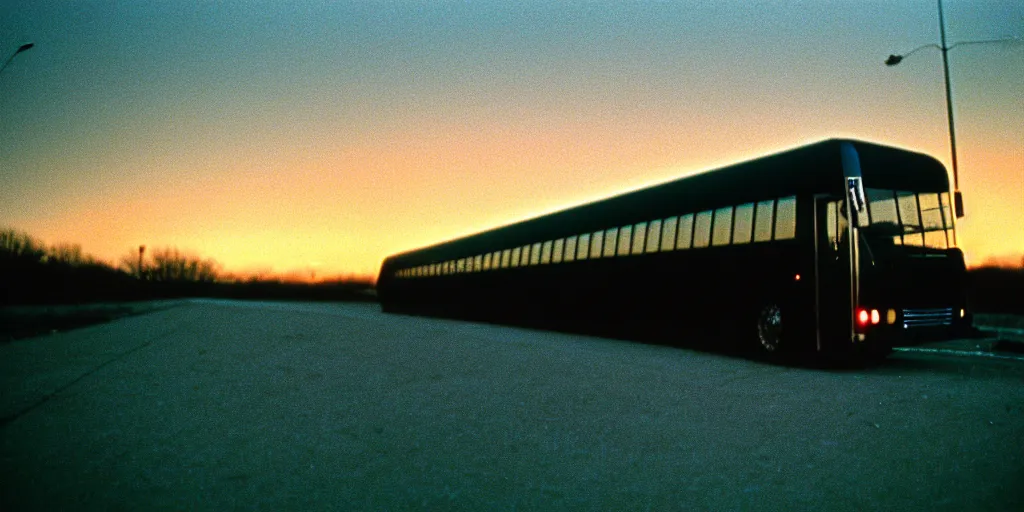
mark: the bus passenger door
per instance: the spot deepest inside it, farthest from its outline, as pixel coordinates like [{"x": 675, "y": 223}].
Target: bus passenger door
[{"x": 833, "y": 295}]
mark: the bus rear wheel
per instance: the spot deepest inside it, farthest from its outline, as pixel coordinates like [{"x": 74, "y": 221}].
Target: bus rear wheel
[{"x": 769, "y": 327}]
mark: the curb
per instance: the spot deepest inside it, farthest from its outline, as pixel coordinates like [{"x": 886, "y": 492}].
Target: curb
[
  {"x": 1003, "y": 333},
  {"x": 1007, "y": 339}
]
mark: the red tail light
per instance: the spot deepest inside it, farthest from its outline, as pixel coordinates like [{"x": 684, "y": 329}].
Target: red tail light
[
  {"x": 863, "y": 317},
  {"x": 867, "y": 316}
]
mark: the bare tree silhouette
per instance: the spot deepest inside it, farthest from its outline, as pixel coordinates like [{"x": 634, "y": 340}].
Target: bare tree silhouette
[
  {"x": 70, "y": 254},
  {"x": 19, "y": 245},
  {"x": 170, "y": 264}
]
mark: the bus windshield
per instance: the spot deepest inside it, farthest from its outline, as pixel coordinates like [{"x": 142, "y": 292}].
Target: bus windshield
[{"x": 919, "y": 219}]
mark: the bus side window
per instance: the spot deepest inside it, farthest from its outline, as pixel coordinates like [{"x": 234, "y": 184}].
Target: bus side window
[
  {"x": 487, "y": 261},
  {"x": 478, "y": 263},
  {"x": 668, "y": 233},
  {"x": 535, "y": 254},
  {"x": 785, "y": 218},
  {"x": 517, "y": 253},
  {"x": 722, "y": 226},
  {"x": 611, "y": 239},
  {"x": 557, "y": 250},
  {"x": 582, "y": 246},
  {"x": 570, "y": 248},
  {"x": 639, "y": 237},
  {"x": 595, "y": 244},
  {"x": 685, "y": 231},
  {"x": 625, "y": 239},
  {"x": 702, "y": 229},
  {"x": 545, "y": 253},
  {"x": 525, "y": 256},
  {"x": 763, "y": 221},
  {"x": 653, "y": 236},
  {"x": 743, "y": 223}
]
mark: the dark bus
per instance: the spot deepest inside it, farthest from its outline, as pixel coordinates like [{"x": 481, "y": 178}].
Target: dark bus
[{"x": 839, "y": 247}]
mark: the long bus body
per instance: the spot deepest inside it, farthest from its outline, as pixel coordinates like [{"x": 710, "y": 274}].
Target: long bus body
[{"x": 841, "y": 247}]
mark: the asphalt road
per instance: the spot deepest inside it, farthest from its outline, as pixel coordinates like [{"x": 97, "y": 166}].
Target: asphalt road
[{"x": 224, "y": 405}]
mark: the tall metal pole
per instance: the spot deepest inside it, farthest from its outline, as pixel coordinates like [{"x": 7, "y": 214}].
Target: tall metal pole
[{"x": 958, "y": 203}]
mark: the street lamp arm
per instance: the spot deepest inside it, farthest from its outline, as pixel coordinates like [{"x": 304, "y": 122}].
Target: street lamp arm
[
  {"x": 922, "y": 47},
  {"x": 897, "y": 58},
  {"x": 20, "y": 49},
  {"x": 1012, "y": 39}
]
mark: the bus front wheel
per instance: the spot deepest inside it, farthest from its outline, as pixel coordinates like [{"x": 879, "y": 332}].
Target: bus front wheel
[{"x": 769, "y": 327}]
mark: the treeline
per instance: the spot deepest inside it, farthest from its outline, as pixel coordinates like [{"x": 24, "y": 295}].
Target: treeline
[{"x": 33, "y": 273}]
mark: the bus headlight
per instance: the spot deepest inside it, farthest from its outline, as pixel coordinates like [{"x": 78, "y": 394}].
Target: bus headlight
[
  {"x": 890, "y": 316},
  {"x": 962, "y": 312},
  {"x": 874, "y": 317}
]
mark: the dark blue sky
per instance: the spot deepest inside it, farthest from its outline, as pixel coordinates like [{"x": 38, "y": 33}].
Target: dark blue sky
[{"x": 329, "y": 134}]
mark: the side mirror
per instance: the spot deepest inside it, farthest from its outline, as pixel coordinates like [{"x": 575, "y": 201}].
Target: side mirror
[{"x": 958, "y": 204}]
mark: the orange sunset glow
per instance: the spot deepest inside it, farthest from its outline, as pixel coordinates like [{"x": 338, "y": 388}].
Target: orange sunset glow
[{"x": 318, "y": 138}]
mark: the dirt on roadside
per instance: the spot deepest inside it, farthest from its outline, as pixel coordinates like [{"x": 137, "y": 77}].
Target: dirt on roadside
[{"x": 18, "y": 322}]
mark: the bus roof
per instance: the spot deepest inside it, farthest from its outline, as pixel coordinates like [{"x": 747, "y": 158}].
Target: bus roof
[{"x": 813, "y": 168}]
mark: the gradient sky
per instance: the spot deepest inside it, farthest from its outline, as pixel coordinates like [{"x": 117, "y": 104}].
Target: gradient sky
[{"x": 323, "y": 136}]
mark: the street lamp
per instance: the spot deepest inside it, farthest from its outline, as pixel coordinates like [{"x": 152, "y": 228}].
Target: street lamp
[
  {"x": 20, "y": 49},
  {"x": 958, "y": 201}
]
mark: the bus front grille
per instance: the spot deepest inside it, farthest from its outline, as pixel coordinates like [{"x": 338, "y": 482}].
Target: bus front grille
[{"x": 927, "y": 317}]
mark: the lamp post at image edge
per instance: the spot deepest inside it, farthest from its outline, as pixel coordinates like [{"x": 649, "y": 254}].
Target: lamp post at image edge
[{"x": 958, "y": 203}]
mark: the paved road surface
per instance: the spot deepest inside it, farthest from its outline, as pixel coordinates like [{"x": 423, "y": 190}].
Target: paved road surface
[{"x": 221, "y": 405}]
